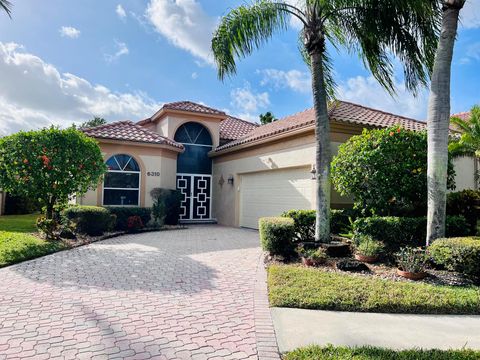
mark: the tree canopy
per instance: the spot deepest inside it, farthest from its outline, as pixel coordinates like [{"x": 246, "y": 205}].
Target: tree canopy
[{"x": 96, "y": 121}]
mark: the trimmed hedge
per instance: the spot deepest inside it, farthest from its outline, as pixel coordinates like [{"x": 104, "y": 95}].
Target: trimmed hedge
[
  {"x": 304, "y": 221},
  {"x": 396, "y": 232},
  {"x": 123, "y": 213},
  {"x": 465, "y": 203},
  {"x": 90, "y": 220},
  {"x": 276, "y": 235},
  {"x": 457, "y": 254}
]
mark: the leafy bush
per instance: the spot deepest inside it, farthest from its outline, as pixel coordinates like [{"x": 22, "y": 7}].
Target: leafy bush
[
  {"x": 166, "y": 206},
  {"x": 49, "y": 227},
  {"x": 304, "y": 224},
  {"x": 396, "y": 232},
  {"x": 368, "y": 168},
  {"x": 465, "y": 203},
  {"x": 411, "y": 259},
  {"x": 134, "y": 224},
  {"x": 341, "y": 220},
  {"x": 457, "y": 254},
  {"x": 277, "y": 235},
  {"x": 90, "y": 220},
  {"x": 123, "y": 213},
  {"x": 318, "y": 256},
  {"x": 19, "y": 205},
  {"x": 367, "y": 246}
]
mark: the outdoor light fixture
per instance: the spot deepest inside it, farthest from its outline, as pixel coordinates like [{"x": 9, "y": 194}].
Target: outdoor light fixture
[
  {"x": 230, "y": 179},
  {"x": 313, "y": 172}
]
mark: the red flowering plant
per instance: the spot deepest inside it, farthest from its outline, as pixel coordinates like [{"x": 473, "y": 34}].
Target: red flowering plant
[
  {"x": 134, "y": 224},
  {"x": 50, "y": 165}
]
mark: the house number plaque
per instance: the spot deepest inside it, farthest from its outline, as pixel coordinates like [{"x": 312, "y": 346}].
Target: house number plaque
[{"x": 153, "y": 173}]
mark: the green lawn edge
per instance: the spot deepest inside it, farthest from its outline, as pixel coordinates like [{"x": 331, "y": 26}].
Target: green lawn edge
[
  {"x": 373, "y": 353},
  {"x": 309, "y": 288}
]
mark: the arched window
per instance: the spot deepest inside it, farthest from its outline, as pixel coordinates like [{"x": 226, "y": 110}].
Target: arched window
[
  {"x": 121, "y": 185},
  {"x": 198, "y": 143}
]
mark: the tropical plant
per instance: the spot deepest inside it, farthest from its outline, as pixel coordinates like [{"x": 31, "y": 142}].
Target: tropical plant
[
  {"x": 373, "y": 29},
  {"x": 368, "y": 168},
  {"x": 318, "y": 256},
  {"x": 267, "y": 118},
  {"x": 367, "y": 246},
  {"x": 468, "y": 144},
  {"x": 50, "y": 165},
  {"x": 413, "y": 260},
  {"x": 6, "y": 6},
  {"x": 439, "y": 117}
]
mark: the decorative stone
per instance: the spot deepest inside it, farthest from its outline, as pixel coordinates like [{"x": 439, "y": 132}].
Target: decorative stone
[{"x": 351, "y": 265}]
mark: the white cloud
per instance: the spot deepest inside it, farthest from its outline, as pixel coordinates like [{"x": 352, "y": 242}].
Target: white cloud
[
  {"x": 185, "y": 24},
  {"x": 247, "y": 104},
  {"x": 70, "y": 32},
  {"x": 122, "y": 49},
  {"x": 194, "y": 75},
  {"x": 35, "y": 94},
  {"x": 293, "y": 79},
  {"x": 470, "y": 14},
  {"x": 366, "y": 91},
  {"x": 121, "y": 13}
]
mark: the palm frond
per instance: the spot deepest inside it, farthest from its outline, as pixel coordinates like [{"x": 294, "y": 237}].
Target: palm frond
[
  {"x": 245, "y": 28},
  {"x": 468, "y": 144},
  {"x": 6, "y": 6}
]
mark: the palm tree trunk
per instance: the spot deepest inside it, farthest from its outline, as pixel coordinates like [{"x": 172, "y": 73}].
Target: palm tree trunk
[
  {"x": 438, "y": 124},
  {"x": 323, "y": 151}
]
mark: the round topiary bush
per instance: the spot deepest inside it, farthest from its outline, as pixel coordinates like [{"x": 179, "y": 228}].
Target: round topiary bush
[
  {"x": 457, "y": 254},
  {"x": 385, "y": 171},
  {"x": 277, "y": 235}
]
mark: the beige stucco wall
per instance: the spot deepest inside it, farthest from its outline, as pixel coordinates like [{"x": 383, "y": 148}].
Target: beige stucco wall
[
  {"x": 465, "y": 169},
  {"x": 284, "y": 154},
  {"x": 151, "y": 159}
]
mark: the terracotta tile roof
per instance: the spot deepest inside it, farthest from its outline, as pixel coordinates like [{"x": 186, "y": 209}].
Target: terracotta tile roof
[
  {"x": 192, "y": 107},
  {"x": 233, "y": 128},
  {"x": 129, "y": 131},
  {"x": 462, "y": 115},
  {"x": 339, "y": 111}
]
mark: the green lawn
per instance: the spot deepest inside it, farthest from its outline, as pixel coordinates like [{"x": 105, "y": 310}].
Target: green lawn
[
  {"x": 18, "y": 223},
  {"x": 309, "y": 288},
  {"x": 370, "y": 353},
  {"x": 18, "y": 242}
]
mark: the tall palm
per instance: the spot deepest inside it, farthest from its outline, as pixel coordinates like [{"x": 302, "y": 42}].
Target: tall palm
[
  {"x": 6, "y": 6},
  {"x": 373, "y": 29},
  {"x": 438, "y": 120},
  {"x": 468, "y": 144}
]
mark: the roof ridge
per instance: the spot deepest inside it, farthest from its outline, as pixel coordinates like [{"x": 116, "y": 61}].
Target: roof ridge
[
  {"x": 382, "y": 111},
  {"x": 166, "y": 106}
]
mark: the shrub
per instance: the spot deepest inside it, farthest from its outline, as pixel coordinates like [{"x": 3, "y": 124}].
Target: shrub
[
  {"x": 134, "y": 224},
  {"x": 465, "y": 203},
  {"x": 166, "y": 205},
  {"x": 304, "y": 224},
  {"x": 276, "y": 235},
  {"x": 341, "y": 220},
  {"x": 90, "y": 220},
  {"x": 457, "y": 254},
  {"x": 396, "y": 232},
  {"x": 367, "y": 246},
  {"x": 368, "y": 168},
  {"x": 123, "y": 213},
  {"x": 20, "y": 205},
  {"x": 318, "y": 256},
  {"x": 411, "y": 259},
  {"x": 49, "y": 227}
]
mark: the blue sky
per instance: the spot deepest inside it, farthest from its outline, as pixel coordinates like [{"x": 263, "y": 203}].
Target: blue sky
[{"x": 67, "y": 61}]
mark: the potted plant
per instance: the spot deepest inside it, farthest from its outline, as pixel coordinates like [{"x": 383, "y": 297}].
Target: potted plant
[
  {"x": 411, "y": 263},
  {"x": 367, "y": 249},
  {"x": 313, "y": 257}
]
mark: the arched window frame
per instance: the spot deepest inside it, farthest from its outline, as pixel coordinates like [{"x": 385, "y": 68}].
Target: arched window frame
[{"x": 123, "y": 171}]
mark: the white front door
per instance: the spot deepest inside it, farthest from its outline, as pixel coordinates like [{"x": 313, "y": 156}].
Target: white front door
[{"x": 196, "y": 190}]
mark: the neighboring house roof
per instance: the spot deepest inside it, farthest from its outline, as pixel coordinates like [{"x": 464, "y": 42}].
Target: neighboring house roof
[
  {"x": 339, "y": 111},
  {"x": 129, "y": 131},
  {"x": 462, "y": 115},
  {"x": 233, "y": 128}
]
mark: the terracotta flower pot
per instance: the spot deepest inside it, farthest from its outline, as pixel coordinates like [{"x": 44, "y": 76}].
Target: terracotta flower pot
[
  {"x": 308, "y": 262},
  {"x": 411, "y": 275},
  {"x": 366, "y": 259}
]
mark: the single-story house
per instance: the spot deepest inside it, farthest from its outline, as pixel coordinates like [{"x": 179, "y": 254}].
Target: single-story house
[{"x": 229, "y": 170}]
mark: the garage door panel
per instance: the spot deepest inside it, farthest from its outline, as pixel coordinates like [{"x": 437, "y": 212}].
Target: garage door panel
[{"x": 272, "y": 192}]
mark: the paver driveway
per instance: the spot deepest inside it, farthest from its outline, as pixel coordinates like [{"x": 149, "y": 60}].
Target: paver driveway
[{"x": 197, "y": 293}]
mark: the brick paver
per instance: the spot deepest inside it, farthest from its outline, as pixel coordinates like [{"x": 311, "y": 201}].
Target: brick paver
[{"x": 197, "y": 293}]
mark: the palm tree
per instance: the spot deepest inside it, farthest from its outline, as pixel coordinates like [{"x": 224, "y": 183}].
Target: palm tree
[
  {"x": 6, "y": 6},
  {"x": 438, "y": 120},
  {"x": 468, "y": 144},
  {"x": 373, "y": 29}
]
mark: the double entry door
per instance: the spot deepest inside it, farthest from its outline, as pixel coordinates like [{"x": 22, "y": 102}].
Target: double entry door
[{"x": 196, "y": 190}]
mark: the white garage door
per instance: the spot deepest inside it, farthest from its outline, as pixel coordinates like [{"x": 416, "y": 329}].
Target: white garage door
[{"x": 269, "y": 193}]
